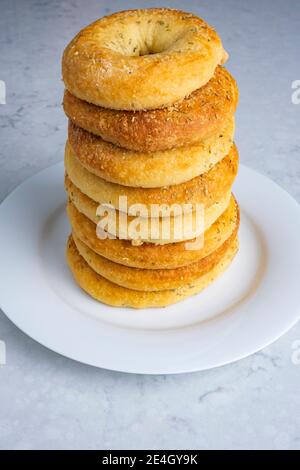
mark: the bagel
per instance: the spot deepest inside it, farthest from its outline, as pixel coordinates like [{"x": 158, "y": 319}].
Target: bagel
[
  {"x": 151, "y": 279},
  {"x": 187, "y": 122},
  {"x": 141, "y": 59},
  {"x": 151, "y": 256},
  {"x": 149, "y": 170},
  {"x": 112, "y": 294},
  {"x": 168, "y": 233},
  {"x": 205, "y": 189}
]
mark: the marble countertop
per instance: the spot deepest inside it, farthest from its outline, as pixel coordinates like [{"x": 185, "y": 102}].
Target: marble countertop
[{"x": 47, "y": 401}]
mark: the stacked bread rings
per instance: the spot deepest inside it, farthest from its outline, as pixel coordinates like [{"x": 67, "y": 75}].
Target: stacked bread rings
[{"x": 150, "y": 147}]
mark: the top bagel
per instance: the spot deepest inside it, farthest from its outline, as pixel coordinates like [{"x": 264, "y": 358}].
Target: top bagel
[{"x": 141, "y": 59}]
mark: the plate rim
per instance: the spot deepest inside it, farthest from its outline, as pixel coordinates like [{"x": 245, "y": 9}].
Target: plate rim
[{"x": 13, "y": 319}]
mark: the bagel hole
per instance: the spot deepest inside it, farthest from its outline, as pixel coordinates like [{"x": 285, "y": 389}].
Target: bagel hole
[
  {"x": 142, "y": 39},
  {"x": 143, "y": 53},
  {"x": 149, "y": 51}
]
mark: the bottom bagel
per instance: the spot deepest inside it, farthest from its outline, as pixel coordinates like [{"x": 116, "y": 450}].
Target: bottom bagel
[{"x": 112, "y": 294}]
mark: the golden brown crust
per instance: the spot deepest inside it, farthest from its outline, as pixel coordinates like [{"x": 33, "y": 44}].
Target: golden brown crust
[
  {"x": 151, "y": 279},
  {"x": 110, "y": 293},
  {"x": 141, "y": 59},
  {"x": 204, "y": 189},
  {"x": 146, "y": 233},
  {"x": 199, "y": 116},
  {"x": 150, "y": 256},
  {"x": 149, "y": 170}
]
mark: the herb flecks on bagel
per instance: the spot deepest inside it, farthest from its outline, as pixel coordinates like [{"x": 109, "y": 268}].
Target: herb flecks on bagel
[{"x": 141, "y": 59}]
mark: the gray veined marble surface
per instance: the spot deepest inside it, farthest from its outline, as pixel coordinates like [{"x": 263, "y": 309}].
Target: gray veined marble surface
[{"x": 47, "y": 401}]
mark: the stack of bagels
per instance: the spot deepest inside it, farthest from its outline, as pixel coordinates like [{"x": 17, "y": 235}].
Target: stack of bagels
[{"x": 151, "y": 124}]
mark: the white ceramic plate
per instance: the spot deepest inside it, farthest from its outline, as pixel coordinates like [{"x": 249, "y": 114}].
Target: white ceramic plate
[{"x": 250, "y": 306}]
